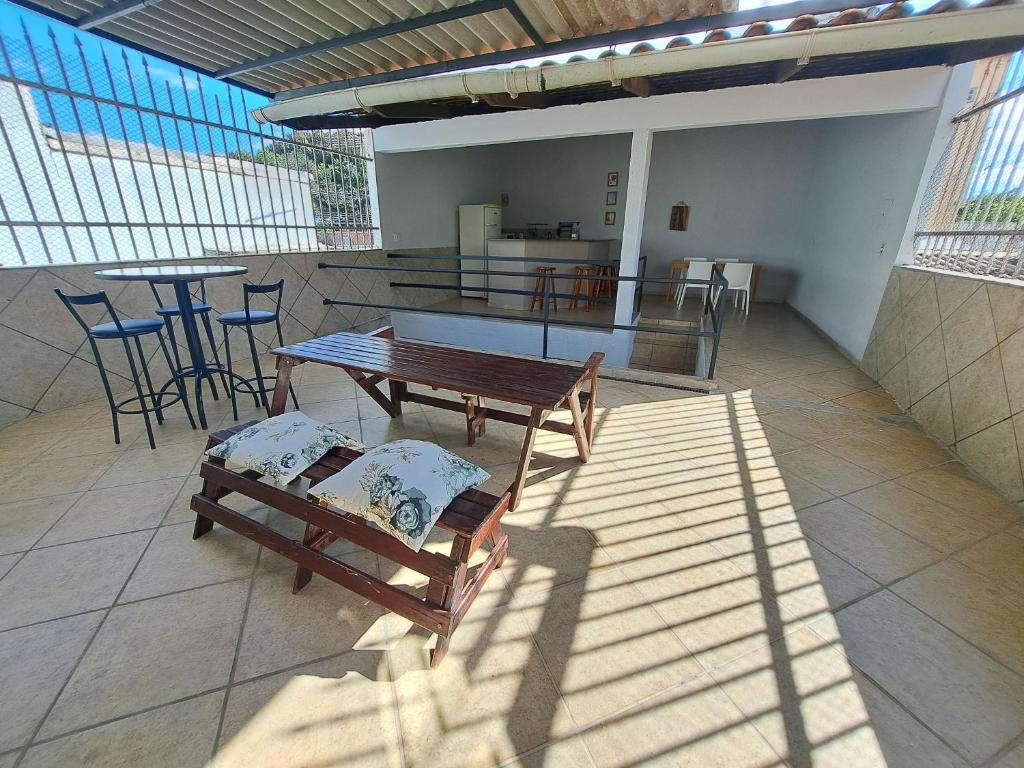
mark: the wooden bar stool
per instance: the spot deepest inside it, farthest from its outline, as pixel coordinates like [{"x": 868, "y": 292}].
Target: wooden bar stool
[
  {"x": 603, "y": 288},
  {"x": 540, "y": 288},
  {"x": 675, "y": 269},
  {"x": 583, "y": 287}
]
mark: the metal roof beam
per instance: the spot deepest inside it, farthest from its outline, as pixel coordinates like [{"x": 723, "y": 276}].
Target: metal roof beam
[
  {"x": 374, "y": 33},
  {"x": 111, "y": 12},
  {"x": 688, "y": 26}
]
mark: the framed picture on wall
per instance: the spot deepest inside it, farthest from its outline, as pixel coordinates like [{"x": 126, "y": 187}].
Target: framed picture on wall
[
  {"x": 611, "y": 198},
  {"x": 613, "y": 179},
  {"x": 609, "y": 218}
]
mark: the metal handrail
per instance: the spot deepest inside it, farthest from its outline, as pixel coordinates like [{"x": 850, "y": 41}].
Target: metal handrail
[{"x": 713, "y": 303}]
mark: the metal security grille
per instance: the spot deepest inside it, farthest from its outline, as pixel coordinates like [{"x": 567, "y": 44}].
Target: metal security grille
[
  {"x": 106, "y": 156},
  {"x": 973, "y": 213}
]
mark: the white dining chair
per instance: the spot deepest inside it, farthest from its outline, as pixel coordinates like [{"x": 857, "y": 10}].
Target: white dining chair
[
  {"x": 677, "y": 270},
  {"x": 698, "y": 270},
  {"x": 739, "y": 277}
]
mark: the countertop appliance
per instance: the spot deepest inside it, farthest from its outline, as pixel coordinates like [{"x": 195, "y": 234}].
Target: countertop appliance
[{"x": 477, "y": 225}]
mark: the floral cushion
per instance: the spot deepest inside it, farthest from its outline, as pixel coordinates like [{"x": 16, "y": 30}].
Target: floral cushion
[
  {"x": 282, "y": 447},
  {"x": 403, "y": 487}
]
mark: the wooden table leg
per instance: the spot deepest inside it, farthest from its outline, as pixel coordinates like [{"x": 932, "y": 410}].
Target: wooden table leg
[
  {"x": 284, "y": 377},
  {"x": 579, "y": 427},
  {"x": 590, "y": 409},
  {"x": 536, "y": 419},
  {"x": 397, "y": 389},
  {"x": 369, "y": 386}
]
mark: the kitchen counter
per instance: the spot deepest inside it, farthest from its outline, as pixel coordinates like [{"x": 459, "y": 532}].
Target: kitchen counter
[{"x": 563, "y": 254}]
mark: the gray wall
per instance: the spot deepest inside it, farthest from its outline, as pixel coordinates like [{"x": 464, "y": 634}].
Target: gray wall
[
  {"x": 822, "y": 204},
  {"x": 565, "y": 180},
  {"x": 419, "y": 193},
  {"x": 547, "y": 181},
  {"x": 745, "y": 186},
  {"x": 866, "y": 173}
]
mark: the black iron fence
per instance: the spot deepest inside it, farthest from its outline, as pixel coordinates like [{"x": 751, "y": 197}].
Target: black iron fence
[
  {"x": 111, "y": 156},
  {"x": 709, "y": 330}
]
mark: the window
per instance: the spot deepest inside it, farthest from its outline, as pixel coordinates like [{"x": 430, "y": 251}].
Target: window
[
  {"x": 972, "y": 219},
  {"x": 106, "y": 156}
]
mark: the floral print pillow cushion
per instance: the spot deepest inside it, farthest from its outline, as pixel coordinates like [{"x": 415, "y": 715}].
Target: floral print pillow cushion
[
  {"x": 402, "y": 487},
  {"x": 282, "y": 447}
]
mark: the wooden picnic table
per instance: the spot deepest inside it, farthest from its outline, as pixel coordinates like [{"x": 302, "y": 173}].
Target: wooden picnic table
[{"x": 541, "y": 385}]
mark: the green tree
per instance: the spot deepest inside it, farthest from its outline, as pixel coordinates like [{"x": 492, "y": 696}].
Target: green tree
[{"x": 992, "y": 208}]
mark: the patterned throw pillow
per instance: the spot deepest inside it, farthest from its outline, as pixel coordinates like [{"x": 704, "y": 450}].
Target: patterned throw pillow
[
  {"x": 282, "y": 447},
  {"x": 403, "y": 487}
]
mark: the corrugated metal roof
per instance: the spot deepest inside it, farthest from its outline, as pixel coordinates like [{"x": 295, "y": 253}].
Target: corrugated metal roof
[{"x": 217, "y": 36}]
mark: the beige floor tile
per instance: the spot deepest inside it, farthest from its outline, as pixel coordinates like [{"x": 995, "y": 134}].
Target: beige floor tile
[
  {"x": 9, "y": 760},
  {"x": 332, "y": 411},
  {"x": 142, "y": 464},
  {"x": 23, "y": 523},
  {"x": 973, "y": 703},
  {"x": 974, "y": 607},
  {"x": 378, "y": 430},
  {"x": 937, "y": 525},
  {"x": 115, "y": 510},
  {"x": 70, "y": 578},
  {"x": 51, "y": 478},
  {"x": 334, "y": 713},
  {"x": 98, "y": 439},
  {"x": 834, "y": 474},
  {"x": 873, "y": 401},
  {"x": 714, "y": 608},
  {"x": 176, "y": 736},
  {"x": 603, "y": 646},
  {"x": 320, "y": 393},
  {"x": 881, "y": 457},
  {"x": 152, "y": 653},
  {"x": 569, "y": 752},
  {"x": 1000, "y": 558},
  {"x": 322, "y": 620},
  {"x": 491, "y": 699},
  {"x": 174, "y": 561},
  {"x": 802, "y": 695},
  {"x": 872, "y": 546},
  {"x": 694, "y": 724},
  {"x": 806, "y": 578},
  {"x": 544, "y": 553},
  {"x": 952, "y": 485},
  {"x": 35, "y": 662}
]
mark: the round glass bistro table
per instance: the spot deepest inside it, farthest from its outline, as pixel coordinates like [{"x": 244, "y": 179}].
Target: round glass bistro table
[{"x": 180, "y": 276}]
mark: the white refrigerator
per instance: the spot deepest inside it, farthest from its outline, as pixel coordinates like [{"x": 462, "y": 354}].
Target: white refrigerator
[{"x": 477, "y": 225}]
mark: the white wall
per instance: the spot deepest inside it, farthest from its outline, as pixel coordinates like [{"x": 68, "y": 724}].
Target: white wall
[
  {"x": 515, "y": 337},
  {"x": 866, "y": 175},
  {"x": 745, "y": 186},
  {"x": 876, "y": 93},
  {"x": 117, "y": 187},
  {"x": 419, "y": 193}
]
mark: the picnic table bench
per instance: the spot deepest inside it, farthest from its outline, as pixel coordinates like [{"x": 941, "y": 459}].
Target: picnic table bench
[
  {"x": 541, "y": 385},
  {"x": 474, "y": 517}
]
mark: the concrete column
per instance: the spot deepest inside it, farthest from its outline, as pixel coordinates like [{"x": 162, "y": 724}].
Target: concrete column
[{"x": 633, "y": 219}]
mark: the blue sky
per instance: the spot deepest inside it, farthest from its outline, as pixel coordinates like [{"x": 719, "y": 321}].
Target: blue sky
[{"x": 19, "y": 22}]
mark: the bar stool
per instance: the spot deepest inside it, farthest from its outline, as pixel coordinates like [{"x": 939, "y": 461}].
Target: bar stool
[
  {"x": 126, "y": 329},
  {"x": 540, "y": 288},
  {"x": 604, "y": 288},
  {"x": 249, "y": 318},
  {"x": 202, "y": 310},
  {"x": 583, "y": 287}
]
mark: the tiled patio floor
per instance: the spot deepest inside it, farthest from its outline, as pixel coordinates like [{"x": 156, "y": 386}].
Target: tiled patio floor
[{"x": 785, "y": 575}]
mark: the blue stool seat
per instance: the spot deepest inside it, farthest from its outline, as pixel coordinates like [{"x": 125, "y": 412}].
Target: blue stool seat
[
  {"x": 131, "y": 328},
  {"x": 255, "y": 317},
  {"x": 197, "y": 307}
]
